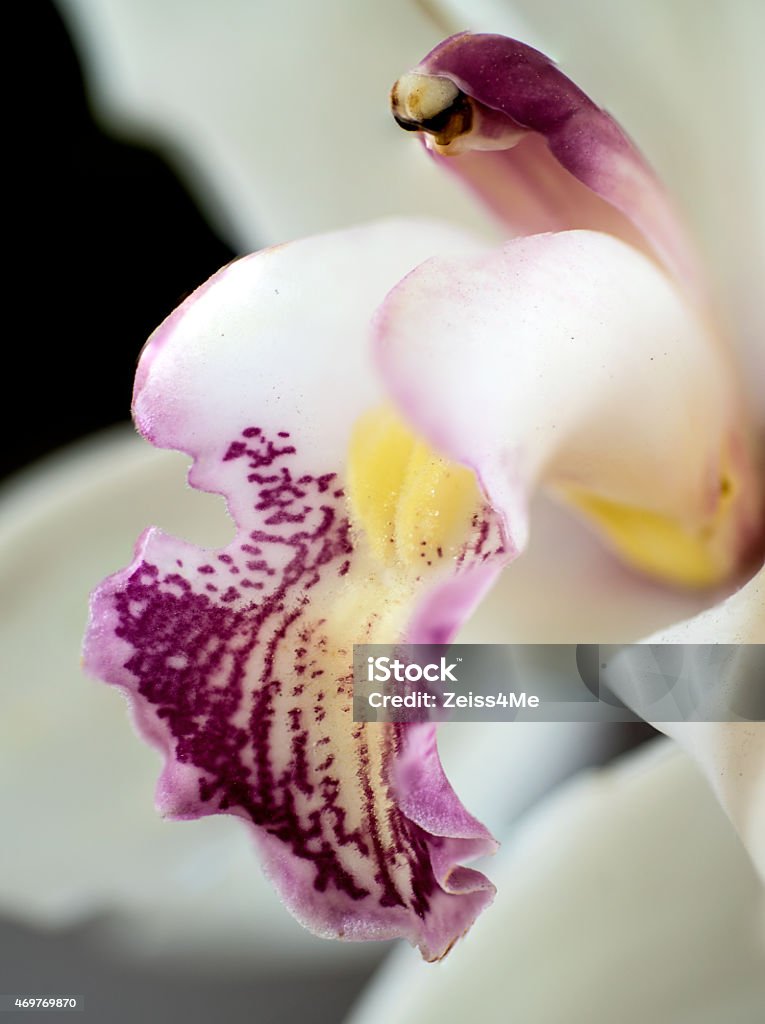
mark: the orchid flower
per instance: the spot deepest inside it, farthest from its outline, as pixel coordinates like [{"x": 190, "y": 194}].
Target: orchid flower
[{"x": 471, "y": 378}]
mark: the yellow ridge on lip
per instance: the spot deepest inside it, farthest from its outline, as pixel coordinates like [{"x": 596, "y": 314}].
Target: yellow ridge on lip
[{"x": 416, "y": 508}]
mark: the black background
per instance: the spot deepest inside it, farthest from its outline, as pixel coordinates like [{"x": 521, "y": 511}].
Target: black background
[{"x": 104, "y": 242}]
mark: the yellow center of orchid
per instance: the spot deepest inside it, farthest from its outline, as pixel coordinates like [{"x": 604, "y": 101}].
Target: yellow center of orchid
[{"x": 415, "y": 507}]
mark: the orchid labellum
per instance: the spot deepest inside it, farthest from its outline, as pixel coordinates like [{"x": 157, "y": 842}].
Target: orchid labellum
[{"x": 378, "y": 407}]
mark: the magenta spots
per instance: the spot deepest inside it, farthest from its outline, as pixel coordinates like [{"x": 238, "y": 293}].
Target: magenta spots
[{"x": 236, "y": 675}]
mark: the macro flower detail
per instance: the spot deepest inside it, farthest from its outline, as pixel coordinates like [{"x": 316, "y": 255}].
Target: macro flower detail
[
  {"x": 479, "y": 96},
  {"x": 378, "y": 406},
  {"x": 275, "y": 754},
  {"x": 238, "y": 662}
]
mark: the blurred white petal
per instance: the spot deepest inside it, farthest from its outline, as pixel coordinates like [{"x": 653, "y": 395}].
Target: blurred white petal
[
  {"x": 278, "y": 111},
  {"x": 731, "y": 754},
  {"x": 624, "y": 897}
]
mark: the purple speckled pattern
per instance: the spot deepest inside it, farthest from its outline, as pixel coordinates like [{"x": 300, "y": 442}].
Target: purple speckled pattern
[
  {"x": 234, "y": 671},
  {"x": 568, "y": 132}
]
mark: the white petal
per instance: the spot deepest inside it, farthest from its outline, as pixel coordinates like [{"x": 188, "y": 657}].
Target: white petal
[
  {"x": 590, "y": 373},
  {"x": 275, "y": 335}
]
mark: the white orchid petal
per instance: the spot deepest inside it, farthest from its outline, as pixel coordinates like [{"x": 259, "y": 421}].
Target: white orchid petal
[
  {"x": 293, "y": 322},
  {"x": 602, "y": 381}
]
